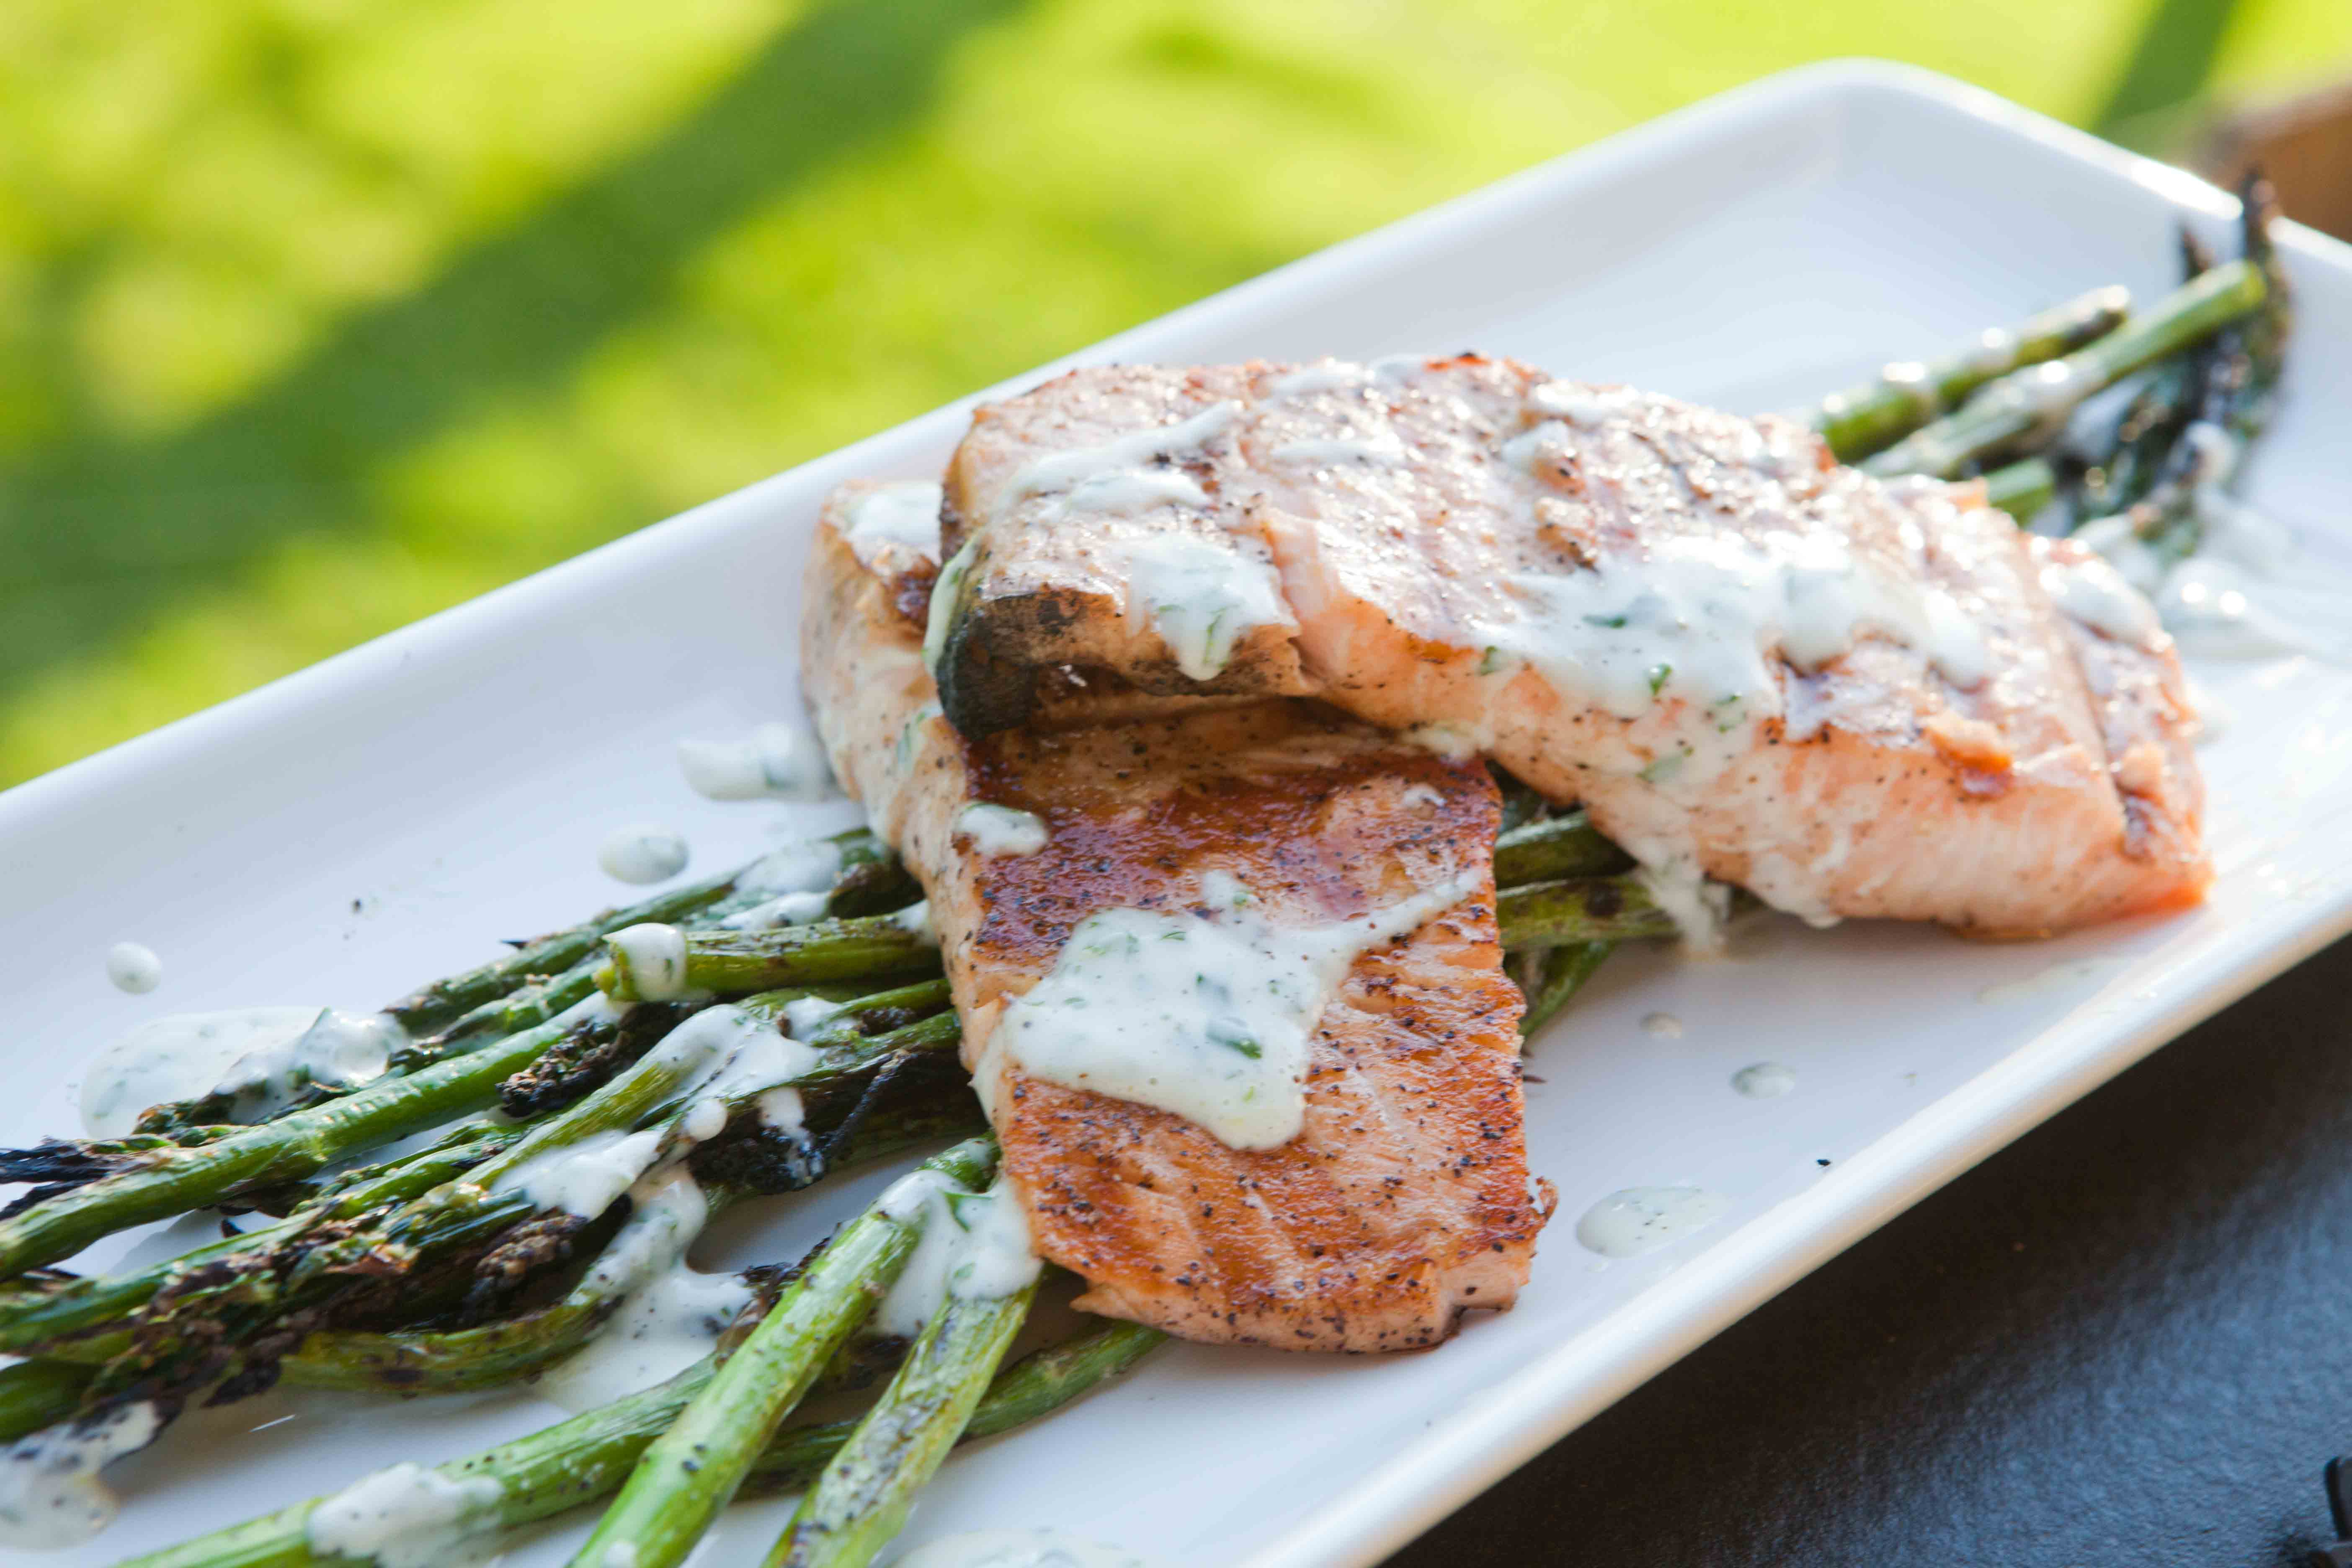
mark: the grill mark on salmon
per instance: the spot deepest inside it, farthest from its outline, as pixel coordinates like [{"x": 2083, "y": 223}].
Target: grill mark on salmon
[
  {"x": 1403, "y": 1202},
  {"x": 1402, "y": 512}
]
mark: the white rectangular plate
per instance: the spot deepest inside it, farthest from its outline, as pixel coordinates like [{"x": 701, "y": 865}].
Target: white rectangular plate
[{"x": 349, "y": 832}]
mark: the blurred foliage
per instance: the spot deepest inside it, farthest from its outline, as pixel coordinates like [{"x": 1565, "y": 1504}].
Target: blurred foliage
[{"x": 317, "y": 316}]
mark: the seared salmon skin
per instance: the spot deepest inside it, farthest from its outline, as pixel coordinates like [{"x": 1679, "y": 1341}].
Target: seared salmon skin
[
  {"x": 1229, "y": 976},
  {"x": 1853, "y": 697}
]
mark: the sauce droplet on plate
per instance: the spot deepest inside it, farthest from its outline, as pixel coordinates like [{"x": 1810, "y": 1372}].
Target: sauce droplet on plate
[
  {"x": 1634, "y": 1220},
  {"x": 1765, "y": 1080},
  {"x": 641, "y": 855},
  {"x": 133, "y": 968}
]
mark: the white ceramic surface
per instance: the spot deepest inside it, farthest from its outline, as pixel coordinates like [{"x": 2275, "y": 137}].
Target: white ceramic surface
[{"x": 383, "y": 817}]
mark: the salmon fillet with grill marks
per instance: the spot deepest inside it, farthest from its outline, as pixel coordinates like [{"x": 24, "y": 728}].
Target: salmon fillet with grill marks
[
  {"x": 1853, "y": 697},
  {"x": 1402, "y": 1201}
]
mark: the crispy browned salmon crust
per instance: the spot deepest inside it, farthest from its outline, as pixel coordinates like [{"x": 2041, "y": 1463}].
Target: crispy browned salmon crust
[{"x": 1405, "y": 1200}]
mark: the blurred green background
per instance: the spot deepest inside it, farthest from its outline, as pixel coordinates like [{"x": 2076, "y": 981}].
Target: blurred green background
[{"x": 320, "y": 315}]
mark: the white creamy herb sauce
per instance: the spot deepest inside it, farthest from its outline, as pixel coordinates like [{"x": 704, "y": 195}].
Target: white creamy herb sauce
[
  {"x": 50, "y": 1493},
  {"x": 1312, "y": 381},
  {"x": 720, "y": 1055},
  {"x": 2044, "y": 981},
  {"x": 973, "y": 1247},
  {"x": 803, "y": 1015},
  {"x": 133, "y": 968},
  {"x": 1586, "y": 405},
  {"x": 1765, "y": 1080},
  {"x": 655, "y": 957},
  {"x": 1635, "y": 1220},
  {"x": 642, "y": 855},
  {"x": 1039, "y": 1548},
  {"x": 670, "y": 1315},
  {"x": 1201, "y": 597},
  {"x": 1000, "y": 829},
  {"x": 410, "y": 1516},
  {"x": 1453, "y": 742},
  {"x": 260, "y": 1056},
  {"x": 904, "y": 512},
  {"x": 1662, "y": 1026},
  {"x": 2247, "y": 591},
  {"x": 2095, "y": 593},
  {"x": 916, "y": 920},
  {"x": 1699, "y": 619},
  {"x": 812, "y": 867},
  {"x": 784, "y": 909},
  {"x": 774, "y": 762},
  {"x": 1207, "y": 1016},
  {"x": 1697, "y": 907},
  {"x": 584, "y": 1177},
  {"x": 1128, "y": 474},
  {"x": 1338, "y": 450}
]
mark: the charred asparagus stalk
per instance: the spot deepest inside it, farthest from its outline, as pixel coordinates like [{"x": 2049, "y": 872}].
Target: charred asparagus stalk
[
  {"x": 1868, "y": 419},
  {"x": 291, "y": 1149},
  {"x": 1551, "y": 978},
  {"x": 693, "y": 1471},
  {"x": 543, "y": 978},
  {"x": 862, "y": 1499},
  {"x": 2183, "y": 444},
  {"x": 2021, "y": 489},
  {"x": 705, "y": 1078},
  {"x": 433, "y": 1006},
  {"x": 654, "y": 963},
  {"x": 589, "y": 1456},
  {"x": 2029, "y": 407},
  {"x": 1554, "y": 847}
]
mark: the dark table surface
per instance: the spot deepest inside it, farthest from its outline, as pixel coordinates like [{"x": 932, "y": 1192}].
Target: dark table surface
[{"x": 2125, "y": 1338}]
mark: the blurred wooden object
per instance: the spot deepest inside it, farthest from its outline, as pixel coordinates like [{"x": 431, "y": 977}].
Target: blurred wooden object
[{"x": 2305, "y": 145}]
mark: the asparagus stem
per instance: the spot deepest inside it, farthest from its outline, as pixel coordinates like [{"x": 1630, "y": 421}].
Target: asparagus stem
[
  {"x": 296, "y": 1146},
  {"x": 2121, "y": 466},
  {"x": 286, "y": 1150},
  {"x": 413, "y": 1361},
  {"x": 861, "y": 1501},
  {"x": 734, "y": 962},
  {"x": 1564, "y": 845},
  {"x": 588, "y": 1457},
  {"x": 1864, "y": 419},
  {"x": 43, "y": 1315},
  {"x": 533, "y": 985},
  {"x": 650, "y": 1114},
  {"x": 2029, "y": 407},
  {"x": 1579, "y": 909},
  {"x": 2021, "y": 489},
  {"x": 882, "y": 1010},
  {"x": 501, "y": 1016},
  {"x": 38, "y": 1393},
  {"x": 692, "y": 1471},
  {"x": 1562, "y": 975},
  {"x": 1037, "y": 1384},
  {"x": 416, "y": 1361},
  {"x": 433, "y": 1006},
  {"x": 2184, "y": 444},
  {"x": 1521, "y": 804}
]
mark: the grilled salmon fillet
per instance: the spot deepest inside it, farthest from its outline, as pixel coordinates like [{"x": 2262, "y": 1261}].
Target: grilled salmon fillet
[
  {"x": 1853, "y": 697},
  {"x": 1399, "y": 1197}
]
